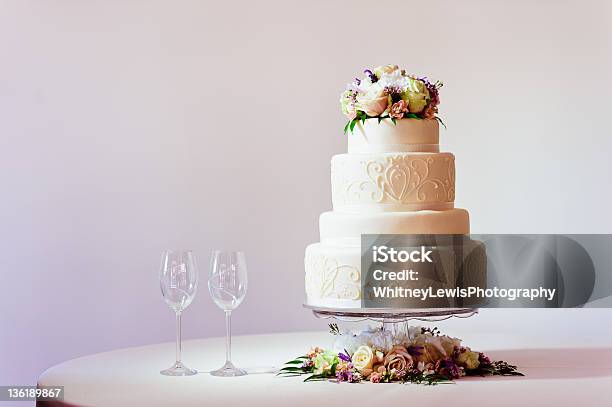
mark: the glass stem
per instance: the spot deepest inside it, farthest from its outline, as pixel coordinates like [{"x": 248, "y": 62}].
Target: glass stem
[
  {"x": 178, "y": 337},
  {"x": 228, "y": 337}
]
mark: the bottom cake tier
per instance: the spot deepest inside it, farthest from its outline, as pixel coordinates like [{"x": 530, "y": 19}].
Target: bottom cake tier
[{"x": 333, "y": 277}]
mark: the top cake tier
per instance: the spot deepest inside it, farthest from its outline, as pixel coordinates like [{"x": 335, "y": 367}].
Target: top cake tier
[{"x": 407, "y": 135}]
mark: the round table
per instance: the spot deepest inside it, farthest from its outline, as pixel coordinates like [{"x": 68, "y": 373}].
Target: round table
[{"x": 568, "y": 375}]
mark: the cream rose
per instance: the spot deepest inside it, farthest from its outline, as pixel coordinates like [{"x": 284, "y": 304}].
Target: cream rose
[
  {"x": 416, "y": 95},
  {"x": 363, "y": 358},
  {"x": 347, "y": 104},
  {"x": 386, "y": 69},
  {"x": 374, "y": 101},
  {"x": 449, "y": 344},
  {"x": 468, "y": 359}
]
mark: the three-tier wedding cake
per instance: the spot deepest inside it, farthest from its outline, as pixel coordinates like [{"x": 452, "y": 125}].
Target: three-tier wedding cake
[{"x": 394, "y": 180}]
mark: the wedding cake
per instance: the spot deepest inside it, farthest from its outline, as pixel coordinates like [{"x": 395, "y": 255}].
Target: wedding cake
[{"x": 393, "y": 180}]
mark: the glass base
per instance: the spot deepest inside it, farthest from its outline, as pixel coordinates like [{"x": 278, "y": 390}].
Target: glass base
[
  {"x": 179, "y": 369},
  {"x": 228, "y": 370}
]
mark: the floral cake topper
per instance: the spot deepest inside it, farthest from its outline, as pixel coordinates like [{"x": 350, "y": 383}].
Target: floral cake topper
[{"x": 389, "y": 92}]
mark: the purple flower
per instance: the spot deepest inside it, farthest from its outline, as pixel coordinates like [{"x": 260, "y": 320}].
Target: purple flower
[
  {"x": 371, "y": 75},
  {"x": 354, "y": 377},
  {"x": 448, "y": 367},
  {"x": 484, "y": 360},
  {"x": 458, "y": 350},
  {"x": 344, "y": 356},
  {"x": 347, "y": 376}
]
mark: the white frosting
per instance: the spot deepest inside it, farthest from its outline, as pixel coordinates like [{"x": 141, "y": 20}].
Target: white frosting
[
  {"x": 393, "y": 182},
  {"x": 333, "y": 276},
  {"x": 408, "y": 135},
  {"x": 347, "y": 228}
]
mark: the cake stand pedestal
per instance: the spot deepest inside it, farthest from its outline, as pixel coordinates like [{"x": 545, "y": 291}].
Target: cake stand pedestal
[{"x": 391, "y": 319}]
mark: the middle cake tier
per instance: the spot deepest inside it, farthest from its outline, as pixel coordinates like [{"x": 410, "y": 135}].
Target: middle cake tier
[
  {"x": 392, "y": 182},
  {"x": 343, "y": 228}
]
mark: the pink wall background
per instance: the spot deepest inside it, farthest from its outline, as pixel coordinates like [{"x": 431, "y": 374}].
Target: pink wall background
[{"x": 129, "y": 127}]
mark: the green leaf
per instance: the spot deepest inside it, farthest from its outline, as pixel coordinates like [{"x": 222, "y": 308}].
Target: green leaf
[
  {"x": 346, "y": 127},
  {"x": 317, "y": 377},
  {"x": 295, "y": 362},
  {"x": 291, "y": 369},
  {"x": 497, "y": 368},
  {"x": 394, "y": 120},
  {"x": 411, "y": 116},
  {"x": 286, "y": 372},
  {"x": 429, "y": 379},
  {"x": 380, "y": 119},
  {"x": 441, "y": 122},
  {"x": 353, "y": 123}
]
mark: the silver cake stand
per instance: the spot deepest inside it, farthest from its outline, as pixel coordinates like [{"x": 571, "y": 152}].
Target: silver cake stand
[{"x": 388, "y": 316}]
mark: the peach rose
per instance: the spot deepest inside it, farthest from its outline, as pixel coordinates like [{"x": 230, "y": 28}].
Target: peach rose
[
  {"x": 398, "y": 109},
  {"x": 431, "y": 349},
  {"x": 377, "y": 361},
  {"x": 430, "y": 111},
  {"x": 399, "y": 359}
]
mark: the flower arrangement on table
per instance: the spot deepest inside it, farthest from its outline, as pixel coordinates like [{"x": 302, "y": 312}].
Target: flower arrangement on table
[
  {"x": 420, "y": 355},
  {"x": 389, "y": 92}
]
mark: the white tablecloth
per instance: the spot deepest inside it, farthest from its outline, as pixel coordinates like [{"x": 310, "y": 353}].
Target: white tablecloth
[{"x": 561, "y": 376}]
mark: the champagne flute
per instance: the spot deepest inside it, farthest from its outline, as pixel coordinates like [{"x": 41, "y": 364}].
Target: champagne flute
[
  {"x": 227, "y": 284},
  {"x": 178, "y": 280}
]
